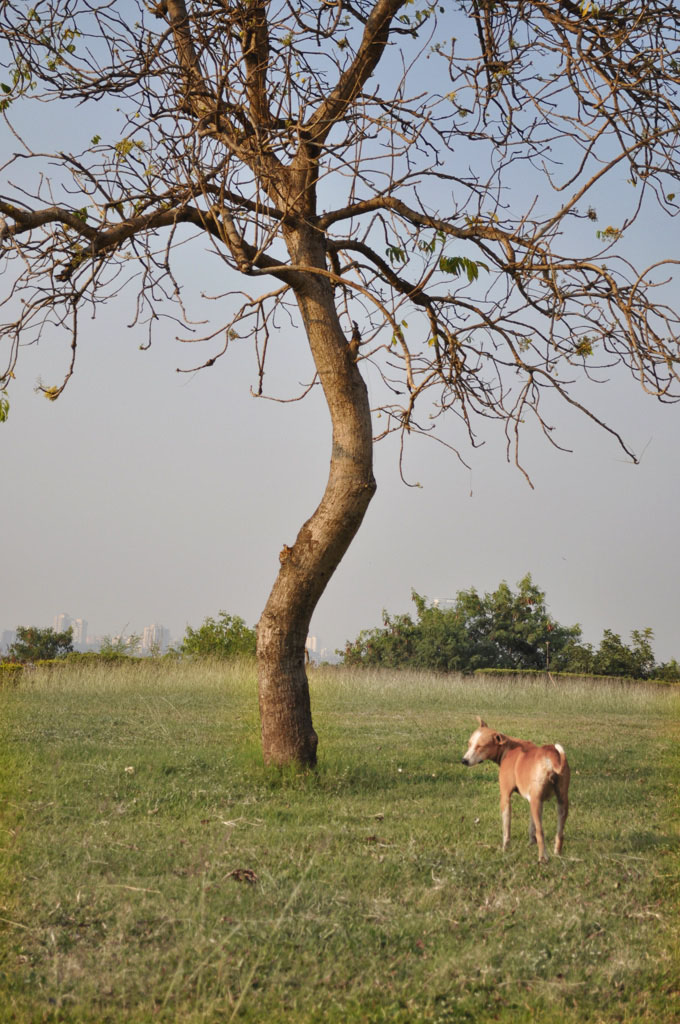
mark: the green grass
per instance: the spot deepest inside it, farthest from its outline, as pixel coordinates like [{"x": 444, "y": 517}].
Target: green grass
[{"x": 153, "y": 870}]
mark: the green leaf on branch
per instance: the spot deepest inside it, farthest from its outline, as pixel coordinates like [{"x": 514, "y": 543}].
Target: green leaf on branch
[
  {"x": 127, "y": 146},
  {"x": 395, "y": 254},
  {"x": 457, "y": 265},
  {"x": 584, "y": 347},
  {"x": 610, "y": 234}
]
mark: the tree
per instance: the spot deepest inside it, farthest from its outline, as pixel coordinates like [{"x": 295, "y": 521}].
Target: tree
[
  {"x": 669, "y": 671},
  {"x": 393, "y": 646},
  {"x": 514, "y": 630},
  {"x": 502, "y": 629},
  {"x": 614, "y": 658},
  {"x": 121, "y": 645},
  {"x": 416, "y": 222},
  {"x": 36, "y": 644},
  {"x": 224, "y": 637}
]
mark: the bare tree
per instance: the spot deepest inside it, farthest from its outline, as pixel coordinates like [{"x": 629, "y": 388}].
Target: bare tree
[{"x": 418, "y": 181}]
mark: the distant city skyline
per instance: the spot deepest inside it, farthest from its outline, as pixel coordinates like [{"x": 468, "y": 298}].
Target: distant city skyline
[
  {"x": 7, "y": 638},
  {"x": 152, "y": 638}
]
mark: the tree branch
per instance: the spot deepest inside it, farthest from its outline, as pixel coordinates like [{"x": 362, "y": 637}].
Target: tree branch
[{"x": 351, "y": 82}]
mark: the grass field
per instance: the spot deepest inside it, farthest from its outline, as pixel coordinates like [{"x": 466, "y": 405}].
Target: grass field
[{"x": 153, "y": 870}]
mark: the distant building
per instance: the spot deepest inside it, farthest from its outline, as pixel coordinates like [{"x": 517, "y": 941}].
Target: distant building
[
  {"x": 62, "y": 623},
  {"x": 80, "y": 634},
  {"x": 311, "y": 648},
  {"x": 7, "y": 638},
  {"x": 155, "y": 639}
]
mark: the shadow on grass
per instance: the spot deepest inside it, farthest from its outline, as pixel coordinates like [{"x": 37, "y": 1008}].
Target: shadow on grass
[
  {"x": 640, "y": 842},
  {"x": 332, "y": 779}
]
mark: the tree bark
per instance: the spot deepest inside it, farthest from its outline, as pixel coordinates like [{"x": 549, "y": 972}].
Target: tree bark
[{"x": 288, "y": 735}]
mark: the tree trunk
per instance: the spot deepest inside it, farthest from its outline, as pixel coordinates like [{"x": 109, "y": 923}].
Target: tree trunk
[{"x": 285, "y": 713}]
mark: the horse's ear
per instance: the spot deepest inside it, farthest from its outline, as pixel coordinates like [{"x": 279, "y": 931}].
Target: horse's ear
[
  {"x": 482, "y": 723},
  {"x": 499, "y": 738}
]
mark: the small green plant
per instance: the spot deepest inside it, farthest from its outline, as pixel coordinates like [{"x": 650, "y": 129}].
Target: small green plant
[{"x": 121, "y": 645}]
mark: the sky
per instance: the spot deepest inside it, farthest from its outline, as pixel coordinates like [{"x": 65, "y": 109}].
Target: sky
[{"x": 143, "y": 495}]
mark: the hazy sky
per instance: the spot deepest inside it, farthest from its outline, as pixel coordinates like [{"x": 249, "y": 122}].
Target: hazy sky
[{"x": 143, "y": 495}]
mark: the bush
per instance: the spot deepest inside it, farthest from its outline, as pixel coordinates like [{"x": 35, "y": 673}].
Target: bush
[
  {"x": 668, "y": 672},
  {"x": 36, "y": 644},
  {"x": 10, "y": 673},
  {"x": 103, "y": 657},
  {"x": 224, "y": 637},
  {"x": 504, "y": 629}
]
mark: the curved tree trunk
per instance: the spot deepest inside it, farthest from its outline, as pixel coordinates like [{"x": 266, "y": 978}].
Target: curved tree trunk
[{"x": 306, "y": 567}]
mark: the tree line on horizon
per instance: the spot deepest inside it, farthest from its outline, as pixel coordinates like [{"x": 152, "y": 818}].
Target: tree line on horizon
[
  {"x": 226, "y": 636},
  {"x": 499, "y": 630}
]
